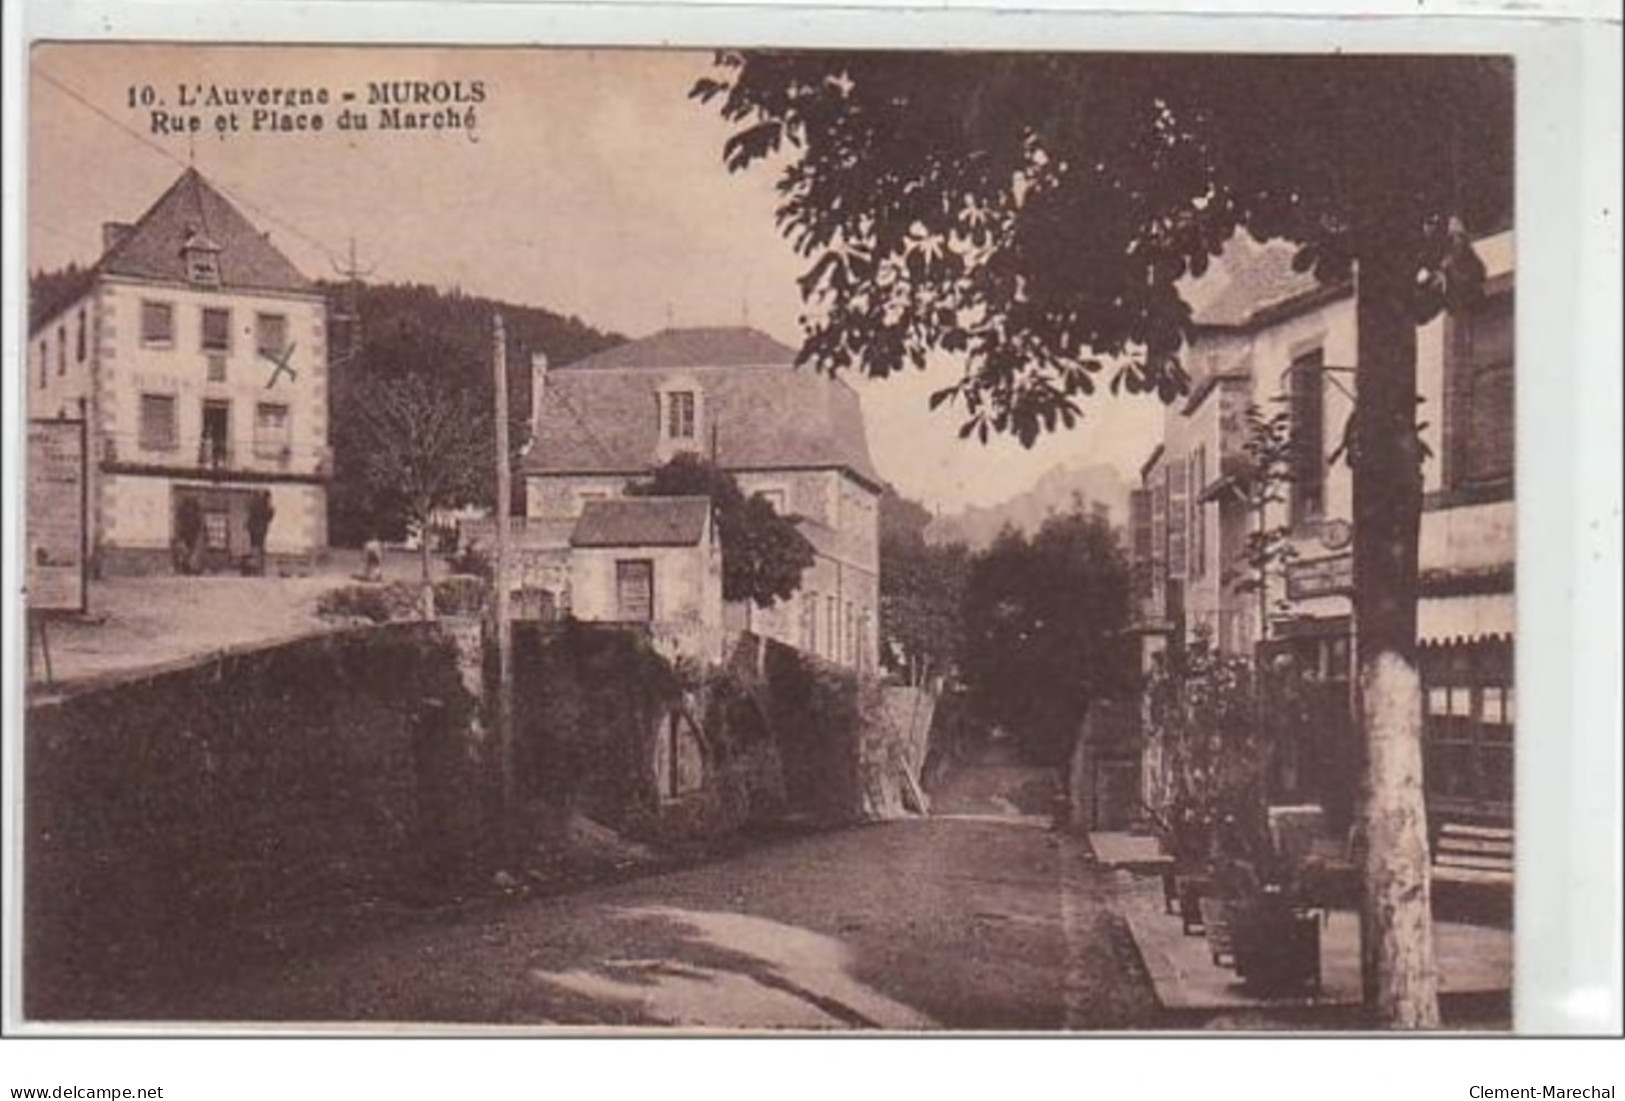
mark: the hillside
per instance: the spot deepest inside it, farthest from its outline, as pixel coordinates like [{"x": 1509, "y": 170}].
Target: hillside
[
  {"x": 977, "y": 525},
  {"x": 413, "y": 328}
]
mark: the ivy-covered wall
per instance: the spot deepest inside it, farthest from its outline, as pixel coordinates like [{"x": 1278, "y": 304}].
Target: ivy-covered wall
[{"x": 175, "y": 819}]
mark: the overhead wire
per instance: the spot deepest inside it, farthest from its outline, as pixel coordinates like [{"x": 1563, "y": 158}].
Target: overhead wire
[{"x": 231, "y": 192}]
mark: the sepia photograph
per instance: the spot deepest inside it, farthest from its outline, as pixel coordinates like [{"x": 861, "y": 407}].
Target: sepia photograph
[{"x": 791, "y": 540}]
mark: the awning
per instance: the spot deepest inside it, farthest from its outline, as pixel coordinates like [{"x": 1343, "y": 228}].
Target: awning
[{"x": 1481, "y": 615}]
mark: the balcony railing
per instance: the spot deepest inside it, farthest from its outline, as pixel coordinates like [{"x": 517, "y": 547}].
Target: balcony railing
[{"x": 211, "y": 455}]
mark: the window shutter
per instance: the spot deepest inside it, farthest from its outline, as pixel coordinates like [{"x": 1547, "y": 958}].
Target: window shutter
[
  {"x": 1178, "y": 494},
  {"x": 1308, "y": 406}
]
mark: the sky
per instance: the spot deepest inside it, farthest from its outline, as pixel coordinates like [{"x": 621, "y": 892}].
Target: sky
[{"x": 591, "y": 185}]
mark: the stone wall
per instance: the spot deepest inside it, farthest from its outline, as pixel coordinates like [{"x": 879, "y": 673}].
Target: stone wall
[{"x": 177, "y": 820}]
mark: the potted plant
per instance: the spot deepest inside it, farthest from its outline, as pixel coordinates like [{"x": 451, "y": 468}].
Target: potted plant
[{"x": 1275, "y": 934}]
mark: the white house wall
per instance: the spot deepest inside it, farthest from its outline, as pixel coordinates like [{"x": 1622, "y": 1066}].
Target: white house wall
[
  {"x": 58, "y": 376},
  {"x": 128, "y": 369}
]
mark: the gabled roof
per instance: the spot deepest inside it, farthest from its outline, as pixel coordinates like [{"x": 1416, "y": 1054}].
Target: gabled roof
[
  {"x": 193, "y": 208},
  {"x": 601, "y": 415},
  {"x": 642, "y": 522},
  {"x": 1251, "y": 284}
]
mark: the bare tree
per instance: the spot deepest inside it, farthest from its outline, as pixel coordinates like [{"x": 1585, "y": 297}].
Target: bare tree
[{"x": 424, "y": 447}]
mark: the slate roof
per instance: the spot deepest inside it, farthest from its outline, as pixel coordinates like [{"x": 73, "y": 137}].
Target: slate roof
[
  {"x": 714, "y": 347},
  {"x": 600, "y": 415},
  {"x": 151, "y": 249},
  {"x": 642, "y": 522},
  {"x": 1251, "y": 283}
]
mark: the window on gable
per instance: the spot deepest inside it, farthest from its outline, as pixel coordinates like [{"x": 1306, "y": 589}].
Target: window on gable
[
  {"x": 1479, "y": 386},
  {"x": 216, "y": 329},
  {"x": 79, "y": 343},
  {"x": 44, "y": 364},
  {"x": 61, "y": 350},
  {"x": 680, "y": 415},
  {"x": 158, "y": 323}
]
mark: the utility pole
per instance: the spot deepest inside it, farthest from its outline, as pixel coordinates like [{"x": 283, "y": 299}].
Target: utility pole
[
  {"x": 352, "y": 305},
  {"x": 499, "y": 602},
  {"x": 343, "y": 367}
]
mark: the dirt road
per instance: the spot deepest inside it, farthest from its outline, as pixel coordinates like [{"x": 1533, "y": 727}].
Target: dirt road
[{"x": 977, "y": 920}]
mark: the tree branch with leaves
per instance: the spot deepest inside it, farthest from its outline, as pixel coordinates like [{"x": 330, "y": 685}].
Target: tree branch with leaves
[{"x": 1031, "y": 218}]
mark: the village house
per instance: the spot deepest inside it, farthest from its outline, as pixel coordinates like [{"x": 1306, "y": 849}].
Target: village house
[
  {"x": 734, "y": 396},
  {"x": 197, "y": 353},
  {"x": 1277, "y": 339}
]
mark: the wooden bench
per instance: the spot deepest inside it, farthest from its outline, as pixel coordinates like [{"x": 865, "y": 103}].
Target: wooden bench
[{"x": 1464, "y": 853}]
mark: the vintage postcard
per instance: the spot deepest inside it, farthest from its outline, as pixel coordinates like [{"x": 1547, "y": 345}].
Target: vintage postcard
[{"x": 759, "y": 539}]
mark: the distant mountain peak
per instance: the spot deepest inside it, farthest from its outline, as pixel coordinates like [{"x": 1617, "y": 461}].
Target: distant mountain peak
[{"x": 1096, "y": 484}]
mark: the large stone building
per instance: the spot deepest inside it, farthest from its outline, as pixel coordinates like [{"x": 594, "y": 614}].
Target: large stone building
[
  {"x": 795, "y": 437},
  {"x": 198, "y": 355},
  {"x": 1276, "y": 339}
]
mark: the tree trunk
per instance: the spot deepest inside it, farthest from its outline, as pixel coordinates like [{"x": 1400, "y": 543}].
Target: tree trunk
[{"x": 1399, "y": 970}]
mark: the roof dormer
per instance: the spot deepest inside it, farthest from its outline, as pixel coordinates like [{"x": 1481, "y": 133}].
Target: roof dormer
[
  {"x": 201, "y": 257},
  {"x": 682, "y": 415}
]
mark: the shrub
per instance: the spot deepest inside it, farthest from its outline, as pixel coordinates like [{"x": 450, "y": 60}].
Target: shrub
[
  {"x": 1215, "y": 758},
  {"x": 374, "y": 603},
  {"x": 461, "y": 596},
  {"x": 473, "y": 560}
]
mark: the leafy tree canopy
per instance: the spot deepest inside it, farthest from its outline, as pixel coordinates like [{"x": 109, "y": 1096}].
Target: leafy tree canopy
[
  {"x": 1043, "y": 621},
  {"x": 1036, "y": 213},
  {"x": 763, "y": 555},
  {"x": 921, "y": 587}
]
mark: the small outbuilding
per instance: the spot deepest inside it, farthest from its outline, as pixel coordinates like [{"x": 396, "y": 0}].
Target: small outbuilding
[{"x": 653, "y": 561}]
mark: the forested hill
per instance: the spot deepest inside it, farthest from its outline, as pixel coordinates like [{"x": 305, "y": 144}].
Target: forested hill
[
  {"x": 417, "y": 329},
  {"x": 413, "y": 326}
]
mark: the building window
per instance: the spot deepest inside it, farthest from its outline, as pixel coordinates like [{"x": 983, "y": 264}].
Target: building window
[
  {"x": 271, "y": 435},
  {"x": 61, "y": 350},
  {"x": 1469, "y": 719},
  {"x": 217, "y": 531},
  {"x": 216, "y": 329},
  {"x": 158, "y": 324},
  {"x": 1479, "y": 393},
  {"x": 44, "y": 363},
  {"x": 635, "y": 590},
  {"x": 831, "y": 632},
  {"x": 680, "y": 415},
  {"x": 158, "y": 422},
  {"x": 214, "y": 446},
  {"x": 1307, "y": 402},
  {"x": 809, "y": 618},
  {"x": 79, "y": 340},
  {"x": 202, "y": 258},
  {"x": 1198, "y": 475},
  {"x": 270, "y": 334}
]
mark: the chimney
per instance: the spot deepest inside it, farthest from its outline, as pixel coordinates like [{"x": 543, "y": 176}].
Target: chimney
[
  {"x": 538, "y": 385},
  {"x": 113, "y": 235}
]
